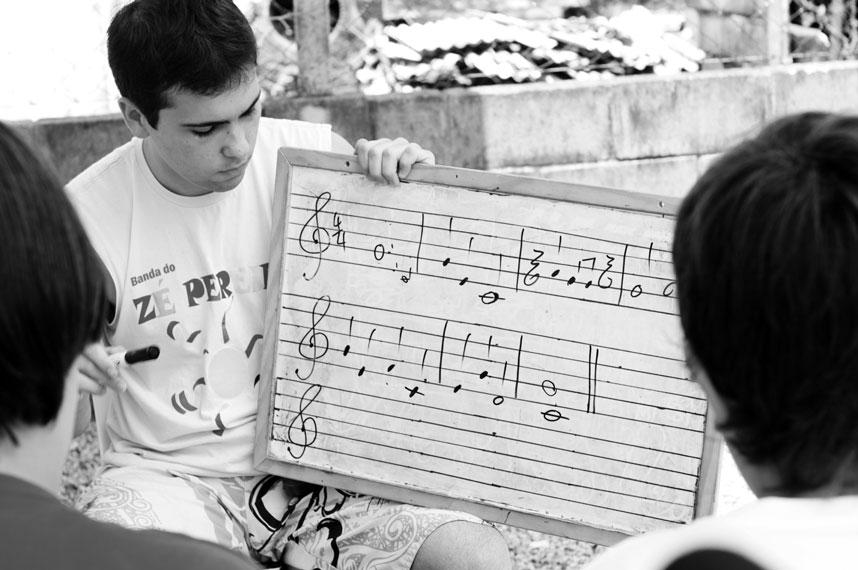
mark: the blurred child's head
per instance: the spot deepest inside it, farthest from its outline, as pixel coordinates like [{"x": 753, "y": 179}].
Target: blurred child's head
[
  {"x": 155, "y": 47},
  {"x": 766, "y": 256},
  {"x": 52, "y": 297}
]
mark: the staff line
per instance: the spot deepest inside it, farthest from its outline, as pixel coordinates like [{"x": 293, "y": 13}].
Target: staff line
[
  {"x": 540, "y": 445},
  {"x": 466, "y": 233},
  {"x": 497, "y": 486},
  {"x": 479, "y": 325},
  {"x": 570, "y": 266},
  {"x": 376, "y": 442},
  {"x": 433, "y": 335},
  {"x": 496, "y": 286},
  {"x": 546, "y": 372},
  {"x": 472, "y": 391},
  {"x": 388, "y": 209}
]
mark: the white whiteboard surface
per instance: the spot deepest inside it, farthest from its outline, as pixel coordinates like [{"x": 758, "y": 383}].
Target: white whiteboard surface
[{"x": 452, "y": 342}]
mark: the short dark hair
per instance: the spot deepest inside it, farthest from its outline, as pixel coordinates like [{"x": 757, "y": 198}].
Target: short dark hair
[
  {"x": 766, "y": 258},
  {"x": 52, "y": 297},
  {"x": 156, "y": 46}
]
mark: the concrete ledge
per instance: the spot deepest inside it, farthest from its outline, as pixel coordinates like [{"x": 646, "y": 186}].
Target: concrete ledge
[
  {"x": 91, "y": 138},
  {"x": 692, "y": 114},
  {"x": 547, "y": 124},
  {"x": 71, "y": 145},
  {"x": 831, "y": 87},
  {"x": 350, "y": 115},
  {"x": 664, "y": 176},
  {"x": 623, "y": 119},
  {"x": 615, "y": 122},
  {"x": 450, "y": 123}
]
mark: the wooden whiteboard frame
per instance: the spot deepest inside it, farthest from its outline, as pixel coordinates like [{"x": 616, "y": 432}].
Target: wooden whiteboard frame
[{"x": 473, "y": 180}]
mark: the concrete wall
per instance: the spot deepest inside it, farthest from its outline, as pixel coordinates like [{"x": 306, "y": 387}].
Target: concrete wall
[{"x": 645, "y": 133}]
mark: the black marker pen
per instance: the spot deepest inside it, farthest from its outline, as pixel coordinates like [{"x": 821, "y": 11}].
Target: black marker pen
[{"x": 137, "y": 355}]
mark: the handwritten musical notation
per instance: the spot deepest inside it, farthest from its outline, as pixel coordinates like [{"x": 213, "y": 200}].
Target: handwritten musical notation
[{"x": 508, "y": 350}]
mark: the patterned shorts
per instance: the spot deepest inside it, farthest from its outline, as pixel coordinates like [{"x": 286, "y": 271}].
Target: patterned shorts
[{"x": 280, "y": 523}]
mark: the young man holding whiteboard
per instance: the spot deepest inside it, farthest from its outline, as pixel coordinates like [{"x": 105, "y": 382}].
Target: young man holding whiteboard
[
  {"x": 180, "y": 218},
  {"x": 764, "y": 252}
]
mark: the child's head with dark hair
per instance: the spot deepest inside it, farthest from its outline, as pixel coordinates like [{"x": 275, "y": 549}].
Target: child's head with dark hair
[
  {"x": 766, "y": 257},
  {"x": 52, "y": 297},
  {"x": 157, "y": 46}
]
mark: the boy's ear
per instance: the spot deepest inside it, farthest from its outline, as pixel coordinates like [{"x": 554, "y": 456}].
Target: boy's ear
[{"x": 135, "y": 120}]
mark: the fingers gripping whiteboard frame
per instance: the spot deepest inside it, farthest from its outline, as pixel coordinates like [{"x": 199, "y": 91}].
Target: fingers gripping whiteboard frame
[{"x": 289, "y": 159}]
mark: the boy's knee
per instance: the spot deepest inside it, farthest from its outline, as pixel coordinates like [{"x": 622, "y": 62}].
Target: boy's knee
[{"x": 462, "y": 545}]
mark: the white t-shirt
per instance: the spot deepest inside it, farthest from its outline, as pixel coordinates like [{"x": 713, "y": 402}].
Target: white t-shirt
[
  {"x": 190, "y": 276},
  {"x": 776, "y": 533}
]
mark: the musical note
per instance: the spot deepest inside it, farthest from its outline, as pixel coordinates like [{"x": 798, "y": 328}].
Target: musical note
[
  {"x": 490, "y": 297},
  {"x": 379, "y": 252},
  {"x": 592, "y": 261},
  {"x": 575, "y": 287},
  {"x": 441, "y": 353},
  {"x": 549, "y": 387},
  {"x": 414, "y": 391}
]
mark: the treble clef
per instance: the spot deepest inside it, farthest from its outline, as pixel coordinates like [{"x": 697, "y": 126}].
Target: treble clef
[
  {"x": 317, "y": 241},
  {"x": 306, "y": 425},
  {"x": 314, "y": 344}
]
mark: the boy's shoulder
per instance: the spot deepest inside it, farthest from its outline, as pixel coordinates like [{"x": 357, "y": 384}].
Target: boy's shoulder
[
  {"x": 113, "y": 168},
  {"x": 778, "y": 533}
]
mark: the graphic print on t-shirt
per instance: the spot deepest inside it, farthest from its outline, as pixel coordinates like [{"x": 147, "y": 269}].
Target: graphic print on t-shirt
[{"x": 199, "y": 312}]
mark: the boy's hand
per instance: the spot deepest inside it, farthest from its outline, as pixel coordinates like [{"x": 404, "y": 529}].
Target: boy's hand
[
  {"x": 386, "y": 160},
  {"x": 95, "y": 374},
  {"x": 98, "y": 372}
]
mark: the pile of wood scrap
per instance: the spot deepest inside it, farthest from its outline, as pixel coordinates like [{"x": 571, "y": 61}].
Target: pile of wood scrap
[
  {"x": 484, "y": 48},
  {"x": 488, "y": 48}
]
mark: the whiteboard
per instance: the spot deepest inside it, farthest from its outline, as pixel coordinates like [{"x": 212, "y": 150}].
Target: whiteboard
[{"x": 502, "y": 345}]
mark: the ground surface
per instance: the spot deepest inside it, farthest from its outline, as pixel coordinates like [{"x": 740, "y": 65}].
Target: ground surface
[{"x": 531, "y": 550}]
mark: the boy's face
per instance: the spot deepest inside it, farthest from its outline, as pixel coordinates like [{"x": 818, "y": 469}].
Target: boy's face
[{"x": 203, "y": 143}]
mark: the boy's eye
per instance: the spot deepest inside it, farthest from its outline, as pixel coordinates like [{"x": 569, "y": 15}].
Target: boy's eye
[{"x": 203, "y": 132}]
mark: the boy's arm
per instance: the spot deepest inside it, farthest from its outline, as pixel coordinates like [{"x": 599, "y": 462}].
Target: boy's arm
[
  {"x": 384, "y": 160},
  {"x": 99, "y": 373},
  {"x": 97, "y": 367},
  {"x": 84, "y": 413}
]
